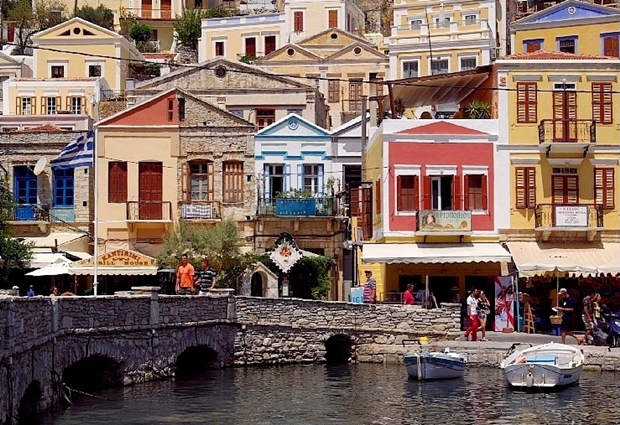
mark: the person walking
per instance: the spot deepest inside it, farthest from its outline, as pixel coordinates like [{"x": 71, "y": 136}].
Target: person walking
[
  {"x": 472, "y": 312},
  {"x": 408, "y": 297},
  {"x": 185, "y": 277},
  {"x": 566, "y": 308},
  {"x": 370, "y": 288},
  {"x": 484, "y": 309},
  {"x": 30, "y": 292},
  {"x": 206, "y": 277}
]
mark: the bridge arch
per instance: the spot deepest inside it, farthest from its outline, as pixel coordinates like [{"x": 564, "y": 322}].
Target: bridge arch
[
  {"x": 196, "y": 359},
  {"x": 28, "y": 409},
  {"x": 93, "y": 373},
  {"x": 339, "y": 348}
]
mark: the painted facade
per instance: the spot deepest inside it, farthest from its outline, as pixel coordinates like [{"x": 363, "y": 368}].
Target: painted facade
[
  {"x": 258, "y": 35},
  {"x": 443, "y": 37},
  {"x": 78, "y": 35},
  {"x": 255, "y": 95},
  {"x": 572, "y": 27},
  {"x": 345, "y": 64},
  {"x": 11, "y": 68}
]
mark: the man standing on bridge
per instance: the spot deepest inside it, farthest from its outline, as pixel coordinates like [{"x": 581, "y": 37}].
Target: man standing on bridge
[
  {"x": 206, "y": 278},
  {"x": 185, "y": 277},
  {"x": 370, "y": 288}
]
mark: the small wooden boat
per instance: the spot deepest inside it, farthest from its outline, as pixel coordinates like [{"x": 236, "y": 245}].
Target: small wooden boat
[
  {"x": 425, "y": 365},
  {"x": 543, "y": 366}
]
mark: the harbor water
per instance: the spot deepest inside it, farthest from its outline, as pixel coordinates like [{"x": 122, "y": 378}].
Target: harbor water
[{"x": 342, "y": 395}]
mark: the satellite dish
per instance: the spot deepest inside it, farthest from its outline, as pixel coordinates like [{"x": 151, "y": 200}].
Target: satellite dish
[{"x": 41, "y": 163}]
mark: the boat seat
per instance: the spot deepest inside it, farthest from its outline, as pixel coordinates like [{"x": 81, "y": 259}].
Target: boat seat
[{"x": 541, "y": 358}]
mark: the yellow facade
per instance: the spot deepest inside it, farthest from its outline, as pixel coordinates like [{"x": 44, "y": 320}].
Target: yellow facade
[{"x": 97, "y": 50}]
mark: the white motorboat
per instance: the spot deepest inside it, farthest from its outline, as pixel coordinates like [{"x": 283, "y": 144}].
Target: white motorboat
[
  {"x": 425, "y": 365},
  {"x": 543, "y": 366}
]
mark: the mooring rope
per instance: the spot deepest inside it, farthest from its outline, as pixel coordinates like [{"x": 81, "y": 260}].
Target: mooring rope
[{"x": 73, "y": 390}]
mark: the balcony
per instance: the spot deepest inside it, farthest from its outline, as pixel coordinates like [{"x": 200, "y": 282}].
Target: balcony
[
  {"x": 31, "y": 212},
  {"x": 566, "y": 136},
  {"x": 151, "y": 13},
  {"x": 149, "y": 211},
  {"x": 569, "y": 218},
  {"x": 299, "y": 207},
  {"x": 200, "y": 210}
]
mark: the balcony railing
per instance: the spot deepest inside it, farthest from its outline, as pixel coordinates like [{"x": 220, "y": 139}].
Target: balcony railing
[
  {"x": 31, "y": 212},
  {"x": 200, "y": 210},
  {"x": 569, "y": 217},
  {"x": 149, "y": 211},
  {"x": 151, "y": 13},
  {"x": 567, "y": 131},
  {"x": 299, "y": 207}
]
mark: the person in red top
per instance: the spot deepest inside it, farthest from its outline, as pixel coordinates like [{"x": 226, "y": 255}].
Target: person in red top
[
  {"x": 185, "y": 277},
  {"x": 408, "y": 298}
]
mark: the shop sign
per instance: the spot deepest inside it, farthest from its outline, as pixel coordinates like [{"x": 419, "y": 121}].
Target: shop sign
[
  {"x": 571, "y": 216},
  {"x": 357, "y": 295},
  {"x": 124, "y": 258},
  {"x": 445, "y": 221}
]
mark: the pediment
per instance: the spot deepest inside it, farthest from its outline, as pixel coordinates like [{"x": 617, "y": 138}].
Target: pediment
[
  {"x": 292, "y": 126},
  {"x": 332, "y": 36},
  {"x": 443, "y": 128},
  {"x": 74, "y": 29},
  {"x": 290, "y": 52},
  {"x": 572, "y": 11},
  {"x": 358, "y": 52},
  {"x": 7, "y": 60}
]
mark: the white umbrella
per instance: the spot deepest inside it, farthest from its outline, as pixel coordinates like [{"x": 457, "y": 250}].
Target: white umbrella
[{"x": 54, "y": 269}]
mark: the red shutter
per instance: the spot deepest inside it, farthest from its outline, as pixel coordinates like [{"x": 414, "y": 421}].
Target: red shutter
[
  {"x": 122, "y": 182},
  {"x": 298, "y": 21},
  {"x": 426, "y": 195},
  {"x": 416, "y": 193},
  {"x": 604, "y": 187},
  {"x": 531, "y": 187},
  {"x": 250, "y": 46},
  {"x": 456, "y": 193},
  {"x": 466, "y": 192},
  {"x": 333, "y": 19},
  {"x": 526, "y": 103},
  {"x": 485, "y": 196},
  {"x": 610, "y": 46},
  {"x": 112, "y": 183},
  {"x": 602, "y": 103},
  {"x": 354, "y": 202},
  {"x": 521, "y": 195},
  {"x": 378, "y": 196},
  {"x": 399, "y": 202},
  {"x": 533, "y": 46}
]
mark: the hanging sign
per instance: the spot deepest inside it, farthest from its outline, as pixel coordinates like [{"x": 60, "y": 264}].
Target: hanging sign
[{"x": 286, "y": 253}]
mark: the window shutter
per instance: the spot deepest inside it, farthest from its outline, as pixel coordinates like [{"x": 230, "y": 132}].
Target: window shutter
[
  {"x": 531, "y": 187},
  {"x": 602, "y": 103},
  {"x": 33, "y": 105},
  {"x": 112, "y": 183},
  {"x": 520, "y": 188},
  {"x": 68, "y": 104},
  {"x": 456, "y": 193},
  {"x": 526, "y": 102},
  {"x": 485, "y": 196},
  {"x": 378, "y": 196},
  {"x": 416, "y": 193},
  {"x": 610, "y": 46},
  {"x": 426, "y": 196},
  {"x": 83, "y": 106},
  {"x": 58, "y": 103},
  {"x": 399, "y": 201},
  {"x": 466, "y": 192},
  {"x": 185, "y": 182},
  {"x": 122, "y": 186},
  {"x": 354, "y": 201},
  {"x": 18, "y": 106},
  {"x": 604, "y": 187},
  {"x": 43, "y": 102}
]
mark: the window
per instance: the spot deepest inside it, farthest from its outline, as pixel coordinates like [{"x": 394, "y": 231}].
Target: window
[
  {"x": 567, "y": 44},
  {"x": 526, "y": 102},
  {"x": 219, "y": 48},
  {"x": 155, "y": 33},
  {"x": 232, "y": 182},
  {"x": 26, "y": 106},
  {"x": 530, "y": 46},
  {"x": 471, "y": 19},
  {"x": 410, "y": 69},
  {"x": 525, "y": 187},
  {"x": 565, "y": 190},
  {"x": 442, "y": 193},
  {"x": 355, "y": 96},
  {"x": 250, "y": 46},
  {"x": 170, "y": 110},
  {"x": 77, "y": 104},
  {"x": 57, "y": 71},
  {"x": 332, "y": 19},
  {"x": 50, "y": 105},
  {"x": 63, "y": 188},
  {"x": 602, "y": 103},
  {"x": 378, "y": 87},
  {"x": 415, "y": 24},
  {"x": 25, "y": 187},
  {"x": 604, "y": 188},
  {"x": 444, "y": 24},
  {"x": 313, "y": 175},
  {"x": 378, "y": 196},
  {"x": 265, "y": 117},
  {"x": 117, "y": 182},
  {"x": 201, "y": 180},
  {"x": 236, "y": 112},
  {"x": 274, "y": 180},
  {"x": 439, "y": 67},
  {"x": 468, "y": 63},
  {"x": 333, "y": 91},
  {"x": 298, "y": 21},
  {"x": 476, "y": 198},
  {"x": 270, "y": 44},
  {"x": 299, "y": 112},
  {"x": 610, "y": 46},
  {"x": 407, "y": 193},
  {"x": 94, "y": 70}
]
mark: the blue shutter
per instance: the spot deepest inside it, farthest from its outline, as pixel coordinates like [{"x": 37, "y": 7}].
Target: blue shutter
[
  {"x": 321, "y": 173},
  {"x": 287, "y": 177},
  {"x": 300, "y": 176}
]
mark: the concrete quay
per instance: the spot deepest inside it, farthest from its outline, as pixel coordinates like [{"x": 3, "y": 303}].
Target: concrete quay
[{"x": 490, "y": 353}]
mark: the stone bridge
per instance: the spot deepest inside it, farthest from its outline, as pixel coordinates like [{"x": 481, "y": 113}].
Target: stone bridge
[{"x": 49, "y": 346}]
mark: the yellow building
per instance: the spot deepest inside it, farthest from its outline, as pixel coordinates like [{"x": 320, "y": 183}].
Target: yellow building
[
  {"x": 561, "y": 163},
  {"x": 572, "y": 27},
  {"x": 436, "y": 37},
  {"x": 96, "y": 52},
  {"x": 344, "y": 63}
]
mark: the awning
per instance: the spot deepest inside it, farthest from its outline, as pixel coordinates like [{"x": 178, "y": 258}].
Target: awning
[
  {"x": 42, "y": 259},
  {"x": 437, "y": 89},
  {"x": 410, "y": 253},
  {"x": 65, "y": 241},
  {"x": 121, "y": 262},
  {"x": 54, "y": 269},
  {"x": 546, "y": 259}
]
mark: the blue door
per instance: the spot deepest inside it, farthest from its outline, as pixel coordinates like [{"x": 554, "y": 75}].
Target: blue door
[{"x": 25, "y": 190}]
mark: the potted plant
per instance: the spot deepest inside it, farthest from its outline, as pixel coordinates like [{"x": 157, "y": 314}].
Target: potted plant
[{"x": 478, "y": 110}]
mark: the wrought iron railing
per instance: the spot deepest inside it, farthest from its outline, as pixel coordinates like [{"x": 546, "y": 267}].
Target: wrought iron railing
[
  {"x": 565, "y": 215},
  {"x": 31, "y": 212},
  {"x": 299, "y": 207},
  {"x": 151, "y": 13},
  {"x": 567, "y": 131},
  {"x": 149, "y": 211},
  {"x": 200, "y": 210}
]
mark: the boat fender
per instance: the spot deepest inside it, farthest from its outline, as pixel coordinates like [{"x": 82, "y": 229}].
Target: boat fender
[
  {"x": 521, "y": 360},
  {"x": 529, "y": 380}
]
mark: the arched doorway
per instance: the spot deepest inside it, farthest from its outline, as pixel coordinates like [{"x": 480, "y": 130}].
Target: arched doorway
[
  {"x": 28, "y": 405},
  {"x": 338, "y": 349},
  {"x": 257, "y": 285}
]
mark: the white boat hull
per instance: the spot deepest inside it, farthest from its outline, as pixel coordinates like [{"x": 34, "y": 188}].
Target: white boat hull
[
  {"x": 430, "y": 366},
  {"x": 543, "y": 366}
]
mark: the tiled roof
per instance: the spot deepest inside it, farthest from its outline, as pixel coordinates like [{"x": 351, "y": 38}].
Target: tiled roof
[
  {"x": 546, "y": 54},
  {"x": 45, "y": 128},
  {"x": 443, "y": 128}
]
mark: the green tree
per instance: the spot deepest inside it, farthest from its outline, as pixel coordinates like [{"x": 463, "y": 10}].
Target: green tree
[
  {"x": 141, "y": 33},
  {"x": 29, "y": 20},
  {"x": 14, "y": 252},
  {"x": 187, "y": 25},
  {"x": 101, "y": 15}
]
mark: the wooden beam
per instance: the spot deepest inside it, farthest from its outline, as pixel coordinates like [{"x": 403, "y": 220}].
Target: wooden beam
[{"x": 392, "y": 100}]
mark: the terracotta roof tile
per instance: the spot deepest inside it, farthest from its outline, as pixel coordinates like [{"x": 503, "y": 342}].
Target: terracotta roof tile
[
  {"x": 546, "y": 54},
  {"x": 45, "y": 128}
]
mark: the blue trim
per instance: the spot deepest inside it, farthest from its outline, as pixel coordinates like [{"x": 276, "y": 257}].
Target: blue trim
[
  {"x": 63, "y": 187},
  {"x": 553, "y": 14},
  {"x": 564, "y": 38},
  {"x": 25, "y": 185},
  {"x": 292, "y": 138},
  {"x": 541, "y": 41},
  {"x": 285, "y": 156}
]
